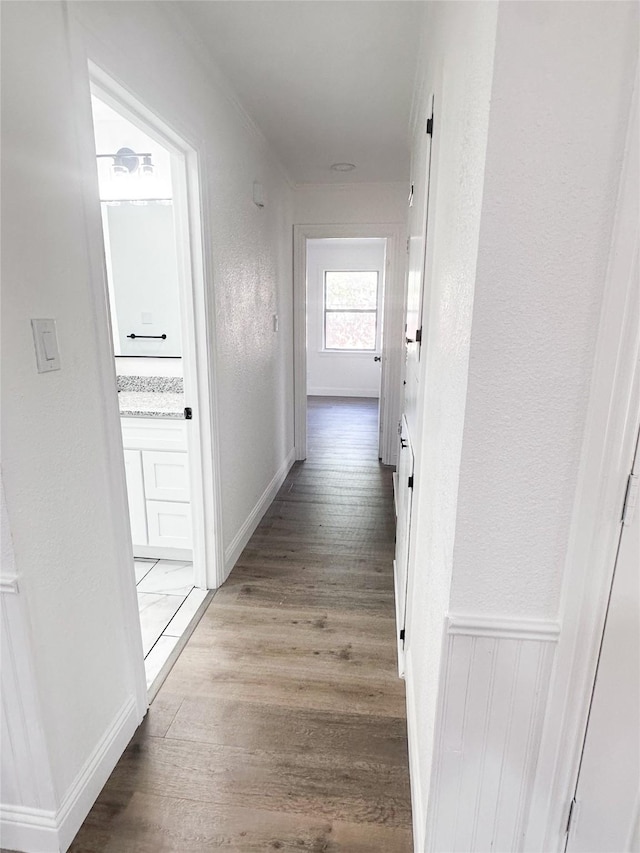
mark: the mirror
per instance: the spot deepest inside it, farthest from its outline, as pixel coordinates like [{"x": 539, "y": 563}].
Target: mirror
[
  {"x": 142, "y": 273},
  {"x": 134, "y": 179}
]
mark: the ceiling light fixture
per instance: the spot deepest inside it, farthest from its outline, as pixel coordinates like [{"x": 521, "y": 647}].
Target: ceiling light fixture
[{"x": 343, "y": 167}]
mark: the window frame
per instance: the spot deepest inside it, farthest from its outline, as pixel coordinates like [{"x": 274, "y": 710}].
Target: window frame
[{"x": 325, "y": 310}]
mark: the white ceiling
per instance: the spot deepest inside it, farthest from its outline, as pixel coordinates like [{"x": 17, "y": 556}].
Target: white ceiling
[{"x": 326, "y": 81}]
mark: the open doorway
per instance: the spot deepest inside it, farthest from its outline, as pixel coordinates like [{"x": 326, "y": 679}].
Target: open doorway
[
  {"x": 348, "y": 316},
  {"x": 154, "y": 281},
  {"x": 345, "y": 301}
]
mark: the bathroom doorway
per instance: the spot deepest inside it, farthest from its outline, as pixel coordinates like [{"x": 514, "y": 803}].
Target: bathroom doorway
[{"x": 149, "y": 199}]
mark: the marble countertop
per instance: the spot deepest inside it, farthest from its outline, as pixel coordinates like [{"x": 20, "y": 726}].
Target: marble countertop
[{"x": 151, "y": 404}]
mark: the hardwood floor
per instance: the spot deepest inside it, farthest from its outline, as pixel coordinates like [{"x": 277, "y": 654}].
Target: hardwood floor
[{"x": 282, "y": 724}]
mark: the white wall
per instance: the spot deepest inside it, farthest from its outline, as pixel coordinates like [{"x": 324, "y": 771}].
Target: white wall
[
  {"x": 541, "y": 271},
  {"x": 340, "y": 373},
  {"x": 457, "y": 63},
  {"x": 360, "y": 204},
  {"x": 518, "y": 244},
  {"x": 59, "y": 429}
]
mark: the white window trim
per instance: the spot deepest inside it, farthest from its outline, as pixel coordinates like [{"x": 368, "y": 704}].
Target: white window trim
[{"x": 362, "y": 353}]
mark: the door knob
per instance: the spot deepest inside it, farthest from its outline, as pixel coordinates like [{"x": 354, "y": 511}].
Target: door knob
[{"x": 377, "y": 358}]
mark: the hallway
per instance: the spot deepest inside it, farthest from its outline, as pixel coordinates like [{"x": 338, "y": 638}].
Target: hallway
[{"x": 282, "y": 725}]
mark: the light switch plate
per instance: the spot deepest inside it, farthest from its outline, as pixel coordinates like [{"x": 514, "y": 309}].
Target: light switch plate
[{"x": 46, "y": 343}]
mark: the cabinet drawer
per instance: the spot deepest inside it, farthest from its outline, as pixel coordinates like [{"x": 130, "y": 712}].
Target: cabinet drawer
[
  {"x": 153, "y": 434},
  {"x": 169, "y": 524},
  {"x": 166, "y": 475},
  {"x": 135, "y": 493}
]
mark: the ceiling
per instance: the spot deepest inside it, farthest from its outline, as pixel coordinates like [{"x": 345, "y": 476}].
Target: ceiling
[{"x": 327, "y": 81}]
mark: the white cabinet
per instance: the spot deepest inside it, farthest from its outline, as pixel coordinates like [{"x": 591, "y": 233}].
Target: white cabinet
[
  {"x": 169, "y": 524},
  {"x": 166, "y": 475},
  {"x": 157, "y": 472},
  {"x": 135, "y": 491}
]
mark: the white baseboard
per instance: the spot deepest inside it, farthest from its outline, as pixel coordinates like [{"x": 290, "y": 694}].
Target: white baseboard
[
  {"x": 417, "y": 801},
  {"x": 149, "y": 552},
  {"x": 342, "y": 392},
  {"x": 43, "y": 831},
  {"x": 240, "y": 540}
]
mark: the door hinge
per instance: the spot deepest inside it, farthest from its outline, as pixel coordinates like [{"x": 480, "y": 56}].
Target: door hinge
[
  {"x": 411, "y": 196},
  {"x": 408, "y": 239},
  {"x": 430, "y": 126},
  {"x": 188, "y": 413},
  {"x": 399, "y": 427},
  {"x": 402, "y": 636},
  {"x": 630, "y": 499},
  {"x": 419, "y": 335},
  {"x": 571, "y": 815},
  {"x": 410, "y": 482}
]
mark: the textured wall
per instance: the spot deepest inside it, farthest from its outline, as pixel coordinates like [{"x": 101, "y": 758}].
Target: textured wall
[
  {"x": 249, "y": 248},
  {"x": 53, "y": 425},
  {"x": 360, "y": 204},
  {"x": 550, "y": 190},
  {"x": 55, "y": 443},
  {"x": 458, "y": 45}
]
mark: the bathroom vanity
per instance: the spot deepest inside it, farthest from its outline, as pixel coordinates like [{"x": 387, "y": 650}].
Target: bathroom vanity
[{"x": 154, "y": 436}]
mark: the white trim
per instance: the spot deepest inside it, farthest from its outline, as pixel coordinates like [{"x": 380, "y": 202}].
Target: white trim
[
  {"x": 46, "y": 831},
  {"x": 117, "y": 500},
  {"x": 607, "y": 452},
  {"x": 504, "y": 629},
  {"x": 198, "y": 321},
  {"x": 240, "y": 540},
  {"x": 392, "y": 345},
  {"x": 154, "y": 552},
  {"x": 342, "y": 392},
  {"x": 417, "y": 801}
]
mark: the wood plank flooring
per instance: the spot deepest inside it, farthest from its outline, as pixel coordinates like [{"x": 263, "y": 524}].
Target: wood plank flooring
[{"x": 282, "y": 724}]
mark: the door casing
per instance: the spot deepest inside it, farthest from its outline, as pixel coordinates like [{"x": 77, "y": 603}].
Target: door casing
[{"x": 392, "y": 339}]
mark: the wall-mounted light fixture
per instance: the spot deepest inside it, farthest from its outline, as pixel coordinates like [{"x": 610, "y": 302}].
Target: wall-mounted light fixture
[{"x": 127, "y": 162}]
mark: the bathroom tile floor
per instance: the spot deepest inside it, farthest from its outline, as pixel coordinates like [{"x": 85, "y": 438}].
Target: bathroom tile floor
[{"x": 168, "y": 604}]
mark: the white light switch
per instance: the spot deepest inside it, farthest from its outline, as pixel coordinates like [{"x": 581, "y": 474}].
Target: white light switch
[{"x": 46, "y": 342}]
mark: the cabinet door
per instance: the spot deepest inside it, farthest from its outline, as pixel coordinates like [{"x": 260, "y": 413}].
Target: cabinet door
[
  {"x": 135, "y": 491},
  {"x": 169, "y": 524},
  {"x": 166, "y": 475}
]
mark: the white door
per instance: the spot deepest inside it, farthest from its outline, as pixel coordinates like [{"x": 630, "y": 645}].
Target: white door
[
  {"x": 605, "y": 813},
  {"x": 403, "y": 528},
  {"x": 417, "y": 247}
]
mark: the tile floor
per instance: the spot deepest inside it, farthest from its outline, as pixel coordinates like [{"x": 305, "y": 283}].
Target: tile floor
[{"x": 168, "y": 603}]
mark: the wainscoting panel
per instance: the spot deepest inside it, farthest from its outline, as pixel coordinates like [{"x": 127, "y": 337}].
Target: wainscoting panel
[
  {"x": 25, "y": 780},
  {"x": 493, "y": 695}
]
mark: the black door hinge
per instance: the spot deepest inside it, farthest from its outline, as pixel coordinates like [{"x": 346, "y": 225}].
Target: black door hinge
[
  {"x": 410, "y": 482},
  {"x": 430, "y": 126},
  {"x": 188, "y": 414},
  {"x": 402, "y": 635},
  {"x": 419, "y": 336}
]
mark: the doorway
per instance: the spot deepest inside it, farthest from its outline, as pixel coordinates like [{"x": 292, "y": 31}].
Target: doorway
[
  {"x": 347, "y": 323},
  {"x": 155, "y": 281}
]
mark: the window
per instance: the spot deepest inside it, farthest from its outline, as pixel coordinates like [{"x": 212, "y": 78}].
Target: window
[{"x": 350, "y": 309}]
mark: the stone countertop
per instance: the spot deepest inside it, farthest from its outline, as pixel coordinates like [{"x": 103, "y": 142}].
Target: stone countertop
[{"x": 151, "y": 404}]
